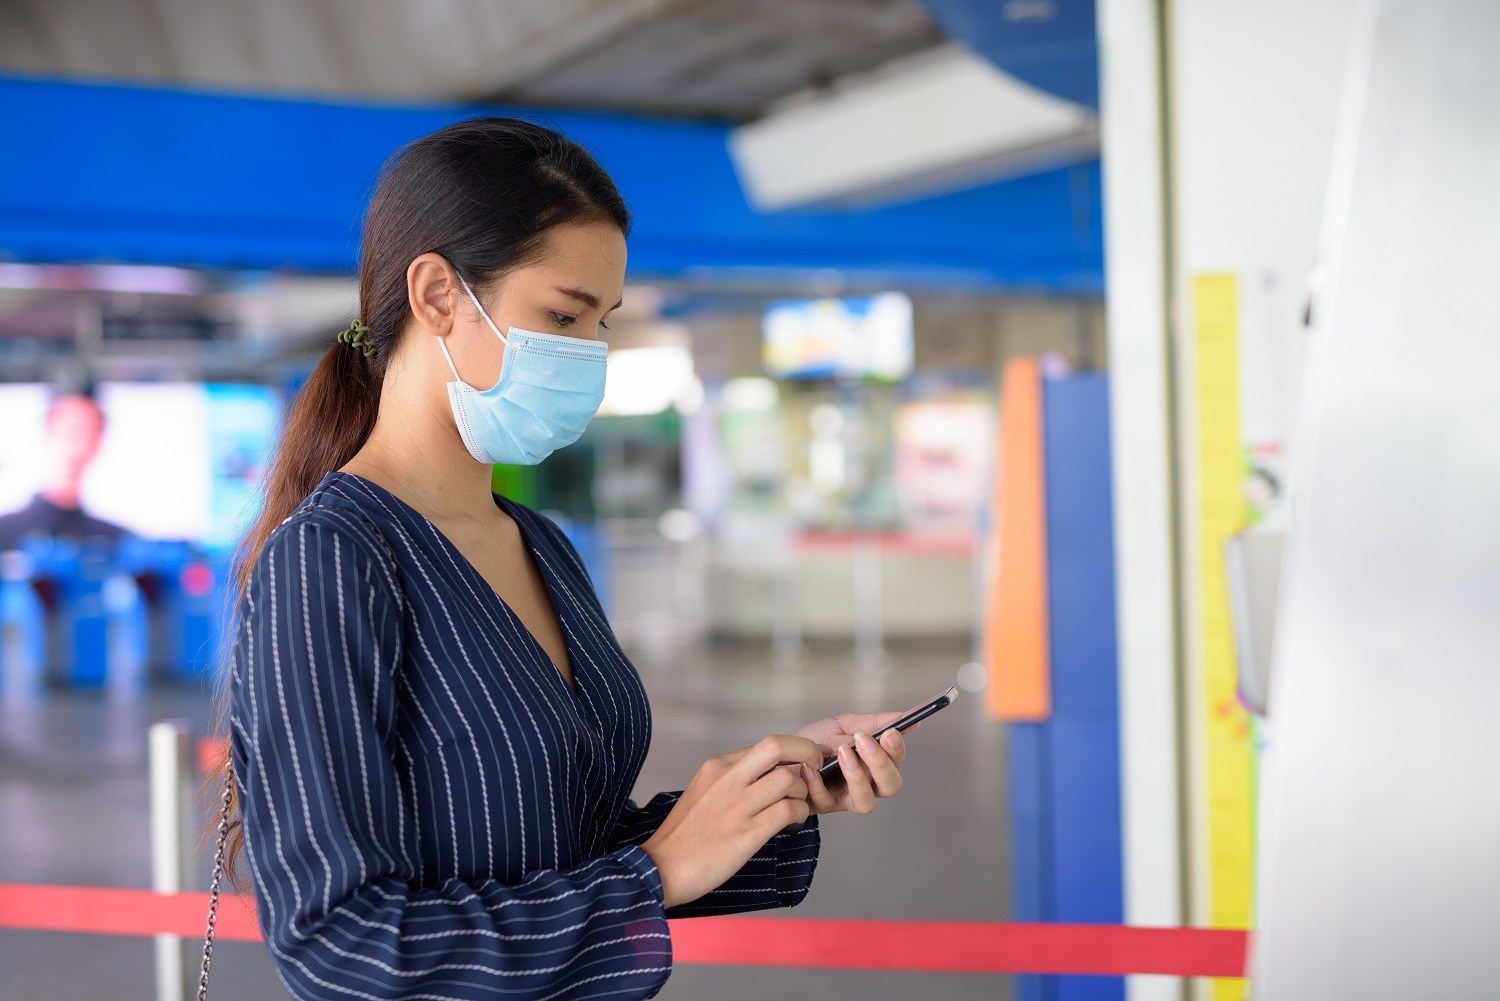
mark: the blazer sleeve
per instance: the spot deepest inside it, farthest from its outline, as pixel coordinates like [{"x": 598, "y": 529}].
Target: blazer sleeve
[
  {"x": 779, "y": 875},
  {"x": 330, "y": 845}
]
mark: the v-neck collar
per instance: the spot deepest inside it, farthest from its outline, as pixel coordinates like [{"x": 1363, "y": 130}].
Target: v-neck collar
[{"x": 553, "y": 598}]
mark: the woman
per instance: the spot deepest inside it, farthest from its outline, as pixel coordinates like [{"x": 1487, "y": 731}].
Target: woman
[{"x": 432, "y": 729}]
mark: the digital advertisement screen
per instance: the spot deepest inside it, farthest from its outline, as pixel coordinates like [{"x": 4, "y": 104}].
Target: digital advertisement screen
[
  {"x": 859, "y": 338},
  {"x": 179, "y": 461}
]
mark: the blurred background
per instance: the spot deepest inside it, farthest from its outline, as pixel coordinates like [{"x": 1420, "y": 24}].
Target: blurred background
[{"x": 912, "y": 386}]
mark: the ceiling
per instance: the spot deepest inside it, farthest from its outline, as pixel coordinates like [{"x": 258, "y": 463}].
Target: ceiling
[
  {"x": 721, "y": 59},
  {"x": 731, "y": 61},
  {"x": 727, "y": 60}
]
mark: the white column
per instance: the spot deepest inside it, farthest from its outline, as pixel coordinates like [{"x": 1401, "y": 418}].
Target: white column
[{"x": 1137, "y": 262}]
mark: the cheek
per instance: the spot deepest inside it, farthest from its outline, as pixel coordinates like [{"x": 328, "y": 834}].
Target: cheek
[{"x": 492, "y": 363}]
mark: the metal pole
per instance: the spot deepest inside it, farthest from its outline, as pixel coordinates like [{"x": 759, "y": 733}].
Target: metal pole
[{"x": 167, "y": 743}]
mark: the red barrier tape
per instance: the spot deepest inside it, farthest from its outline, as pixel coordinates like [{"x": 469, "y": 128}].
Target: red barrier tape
[{"x": 932, "y": 946}]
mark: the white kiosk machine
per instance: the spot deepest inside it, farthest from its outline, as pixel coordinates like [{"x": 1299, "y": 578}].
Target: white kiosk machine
[{"x": 1381, "y": 865}]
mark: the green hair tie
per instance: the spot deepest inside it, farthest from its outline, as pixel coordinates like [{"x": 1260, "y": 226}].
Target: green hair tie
[{"x": 357, "y": 335}]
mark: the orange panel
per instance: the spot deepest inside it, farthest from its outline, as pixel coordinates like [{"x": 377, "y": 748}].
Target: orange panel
[{"x": 1015, "y": 636}]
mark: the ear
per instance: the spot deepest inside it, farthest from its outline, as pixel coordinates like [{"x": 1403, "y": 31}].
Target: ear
[{"x": 432, "y": 293}]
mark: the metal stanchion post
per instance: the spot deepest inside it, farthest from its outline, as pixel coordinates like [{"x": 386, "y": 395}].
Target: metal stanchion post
[{"x": 167, "y": 744}]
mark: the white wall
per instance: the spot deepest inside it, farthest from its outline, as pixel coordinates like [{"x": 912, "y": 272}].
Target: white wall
[{"x": 1255, "y": 89}]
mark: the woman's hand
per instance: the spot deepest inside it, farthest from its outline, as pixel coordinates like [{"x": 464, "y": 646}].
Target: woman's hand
[
  {"x": 732, "y": 807},
  {"x": 871, "y": 770}
]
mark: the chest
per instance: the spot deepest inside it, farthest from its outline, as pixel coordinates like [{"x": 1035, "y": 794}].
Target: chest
[{"x": 499, "y": 554}]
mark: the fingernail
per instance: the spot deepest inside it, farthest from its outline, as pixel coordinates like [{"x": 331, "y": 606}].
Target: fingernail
[
  {"x": 846, "y": 753},
  {"x": 893, "y": 739},
  {"x": 865, "y": 741}
]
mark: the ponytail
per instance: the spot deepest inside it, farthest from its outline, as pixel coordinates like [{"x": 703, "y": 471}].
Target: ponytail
[{"x": 328, "y": 422}]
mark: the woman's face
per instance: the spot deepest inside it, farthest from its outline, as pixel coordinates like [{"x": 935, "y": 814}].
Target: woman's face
[{"x": 569, "y": 290}]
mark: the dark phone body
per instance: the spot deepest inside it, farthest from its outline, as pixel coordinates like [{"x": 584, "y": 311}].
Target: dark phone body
[{"x": 833, "y": 775}]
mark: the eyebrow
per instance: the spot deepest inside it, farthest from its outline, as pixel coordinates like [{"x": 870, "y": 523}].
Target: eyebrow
[{"x": 587, "y": 298}]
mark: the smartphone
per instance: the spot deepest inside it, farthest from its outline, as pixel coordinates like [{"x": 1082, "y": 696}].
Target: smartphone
[{"x": 833, "y": 775}]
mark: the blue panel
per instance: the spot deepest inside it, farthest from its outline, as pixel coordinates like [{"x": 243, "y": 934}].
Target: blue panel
[
  {"x": 1054, "y": 49},
  {"x": 1084, "y": 733},
  {"x": 1029, "y": 791},
  {"x": 144, "y": 175}
]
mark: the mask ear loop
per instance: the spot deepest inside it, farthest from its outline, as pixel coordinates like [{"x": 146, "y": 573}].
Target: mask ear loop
[
  {"x": 475, "y": 300},
  {"x": 443, "y": 341}
]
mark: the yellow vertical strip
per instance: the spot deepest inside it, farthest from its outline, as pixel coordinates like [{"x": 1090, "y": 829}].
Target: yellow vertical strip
[{"x": 1229, "y": 761}]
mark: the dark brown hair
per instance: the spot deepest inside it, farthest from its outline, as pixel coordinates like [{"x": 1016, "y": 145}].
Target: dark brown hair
[{"x": 482, "y": 193}]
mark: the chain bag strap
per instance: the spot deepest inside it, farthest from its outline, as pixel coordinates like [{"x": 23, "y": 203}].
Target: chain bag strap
[{"x": 213, "y": 891}]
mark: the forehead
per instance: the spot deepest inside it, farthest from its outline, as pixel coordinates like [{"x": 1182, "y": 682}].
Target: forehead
[{"x": 590, "y": 256}]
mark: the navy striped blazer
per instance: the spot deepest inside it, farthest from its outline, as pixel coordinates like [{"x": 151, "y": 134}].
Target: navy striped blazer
[{"x": 430, "y": 810}]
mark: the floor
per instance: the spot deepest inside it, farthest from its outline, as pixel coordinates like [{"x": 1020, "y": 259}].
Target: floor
[{"x": 73, "y": 810}]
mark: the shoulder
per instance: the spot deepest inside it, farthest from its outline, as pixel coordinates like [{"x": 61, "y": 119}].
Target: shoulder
[{"x": 329, "y": 526}]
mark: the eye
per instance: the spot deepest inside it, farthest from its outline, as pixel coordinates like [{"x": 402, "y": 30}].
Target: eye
[{"x": 567, "y": 319}]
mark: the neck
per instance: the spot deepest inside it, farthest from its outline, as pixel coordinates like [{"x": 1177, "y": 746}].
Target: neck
[
  {"x": 414, "y": 450},
  {"x": 63, "y": 493}
]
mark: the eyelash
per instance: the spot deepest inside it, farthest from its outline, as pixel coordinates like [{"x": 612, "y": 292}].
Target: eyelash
[{"x": 564, "y": 320}]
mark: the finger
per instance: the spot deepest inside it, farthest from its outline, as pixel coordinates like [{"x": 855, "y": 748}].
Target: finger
[
  {"x": 781, "y": 782},
  {"x": 859, "y": 796},
  {"x": 881, "y": 723},
  {"x": 884, "y": 775},
  {"x": 895, "y": 746},
  {"x": 819, "y": 796},
  {"x": 782, "y": 817},
  {"x": 777, "y": 749},
  {"x": 833, "y": 777}
]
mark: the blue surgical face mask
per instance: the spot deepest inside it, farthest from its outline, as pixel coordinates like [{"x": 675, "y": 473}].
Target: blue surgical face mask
[{"x": 549, "y": 389}]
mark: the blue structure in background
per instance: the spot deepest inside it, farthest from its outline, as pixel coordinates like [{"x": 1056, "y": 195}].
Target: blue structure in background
[
  {"x": 593, "y": 550},
  {"x": 183, "y": 591},
  {"x": 23, "y": 625},
  {"x": 92, "y": 615},
  {"x": 154, "y": 176},
  {"x": 1050, "y": 44},
  {"x": 1065, "y": 773},
  {"x": 72, "y": 580}
]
